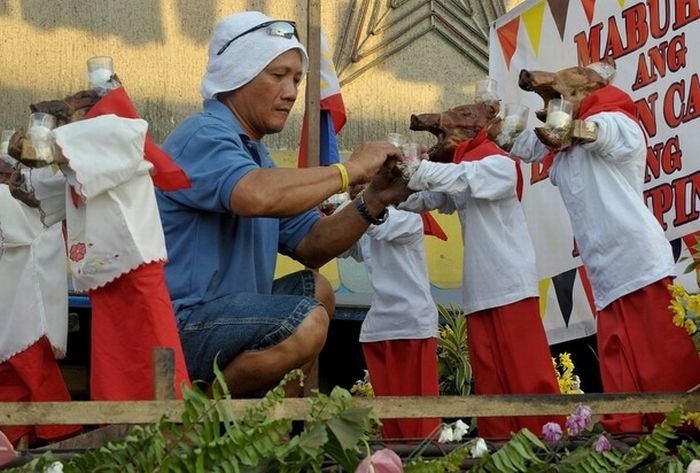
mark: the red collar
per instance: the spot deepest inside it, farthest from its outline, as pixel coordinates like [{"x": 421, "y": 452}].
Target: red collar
[{"x": 476, "y": 148}]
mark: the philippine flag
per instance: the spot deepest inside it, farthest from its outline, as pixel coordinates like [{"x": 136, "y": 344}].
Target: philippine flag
[{"x": 332, "y": 112}]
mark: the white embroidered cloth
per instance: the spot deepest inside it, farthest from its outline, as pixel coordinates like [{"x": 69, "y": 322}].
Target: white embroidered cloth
[
  {"x": 115, "y": 226},
  {"x": 33, "y": 284}
]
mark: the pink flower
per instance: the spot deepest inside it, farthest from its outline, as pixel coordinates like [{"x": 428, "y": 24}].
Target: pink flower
[
  {"x": 579, "y": 420},
  {"x": 694, "y": 467},
  {"x": 602, "y": 444},
  {"x": 551, "y": 432},
  {"x": 77, "y": 251},
  {"x": 381, "y": 461}
]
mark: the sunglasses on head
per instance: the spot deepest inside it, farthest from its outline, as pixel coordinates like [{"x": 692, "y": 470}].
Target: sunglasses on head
[{"x": 283, "y": 28}]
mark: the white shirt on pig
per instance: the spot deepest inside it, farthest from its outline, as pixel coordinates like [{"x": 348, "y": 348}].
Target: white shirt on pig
[
  {"x": 394, "y": 256},
  {"x": 112, "y": 218},
  {"x": 33, "y": 278},
  {"x": 499, "y": 259},
  {"x": 622, "y": 245}
]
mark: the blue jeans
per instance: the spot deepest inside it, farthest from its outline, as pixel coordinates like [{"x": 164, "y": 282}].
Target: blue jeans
[{"x": 228, "y": 326}]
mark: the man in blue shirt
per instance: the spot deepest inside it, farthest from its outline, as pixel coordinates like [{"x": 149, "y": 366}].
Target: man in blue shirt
[{"x": 223, "y": 234}]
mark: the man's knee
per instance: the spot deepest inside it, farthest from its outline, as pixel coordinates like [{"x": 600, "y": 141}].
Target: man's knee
[
  {"x": 310, "y": 336},
  {"x": 325, "y": 293}
]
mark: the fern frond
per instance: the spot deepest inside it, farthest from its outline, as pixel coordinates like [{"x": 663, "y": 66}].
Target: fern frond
[{"x": 449, "y": 463}]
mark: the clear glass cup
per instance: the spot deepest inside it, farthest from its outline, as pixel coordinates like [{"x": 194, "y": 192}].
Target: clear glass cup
[
  {"x": 485, "y": 91},
  {"x": 396, "y": 139},
  {"x": 514, "y": 118},
  {"x": 411, "y": 154},
  {"x": 559, "y": 114},
  {"x": 100, "y": 73},
  {"x": 411, "y": 151},
  {"x": 38, "y": 145}
]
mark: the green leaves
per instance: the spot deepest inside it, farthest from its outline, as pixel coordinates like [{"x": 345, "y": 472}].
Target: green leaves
[{"x": 455, "y": 371}]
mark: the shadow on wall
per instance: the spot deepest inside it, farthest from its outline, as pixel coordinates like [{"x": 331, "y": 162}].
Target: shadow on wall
[{"x": 135, "y": 21}]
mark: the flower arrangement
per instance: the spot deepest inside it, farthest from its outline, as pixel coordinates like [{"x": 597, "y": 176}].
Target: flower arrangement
[
  {"x": 685, "y": 308},
  {"x": 363, "y": 387},
  {"x": 569, "y": 383}
]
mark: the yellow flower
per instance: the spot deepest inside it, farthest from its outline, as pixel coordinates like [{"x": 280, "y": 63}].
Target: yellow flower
[
  {"x": 690, "y": 326},
  {"x": 693, "y": 418},
  {"x": 694, "y": 304},
  {"x": 678, "y": 313},
  {"x": 678, "y": 291}
]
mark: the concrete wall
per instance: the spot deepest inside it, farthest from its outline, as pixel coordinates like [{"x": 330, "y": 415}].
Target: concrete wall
[
  {"x": 159, "y": 48},
  {"x": 394, "y": 57}
]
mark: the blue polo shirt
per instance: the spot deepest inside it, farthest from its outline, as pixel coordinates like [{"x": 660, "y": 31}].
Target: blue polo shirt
[{"x": 212, "y": 251}]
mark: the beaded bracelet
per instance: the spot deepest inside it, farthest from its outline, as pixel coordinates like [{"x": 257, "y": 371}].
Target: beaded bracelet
[{"x": 362, "y": 208}]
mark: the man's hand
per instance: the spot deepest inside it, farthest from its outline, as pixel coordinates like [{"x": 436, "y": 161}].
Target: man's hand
[
  {"x": 368, "y": 159},
  {"x": 388, "y": 185}
]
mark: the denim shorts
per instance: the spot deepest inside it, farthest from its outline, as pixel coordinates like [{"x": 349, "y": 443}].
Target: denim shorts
[{"x": 232, "y": 324}]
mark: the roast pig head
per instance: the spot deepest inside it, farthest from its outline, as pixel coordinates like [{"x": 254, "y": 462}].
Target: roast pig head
[
  {"x": 572, "y": 84},
  {"x": 70, "y": 109},
  {"x": 454, "y": 126}
]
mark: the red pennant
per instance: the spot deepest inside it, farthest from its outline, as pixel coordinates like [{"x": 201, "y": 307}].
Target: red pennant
[
  {"x": 508, "y": 37},
  {"x": 431, "y": 227},
  {"x": 588, "y": 7},
  {"x": 168, "y": 175}
]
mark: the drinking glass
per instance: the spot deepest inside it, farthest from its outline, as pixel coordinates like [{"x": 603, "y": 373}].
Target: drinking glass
[
  {"x": 559, "y": 114},
  {"x": 38, "y": 144},
  {"x": 486, "y": 91}
]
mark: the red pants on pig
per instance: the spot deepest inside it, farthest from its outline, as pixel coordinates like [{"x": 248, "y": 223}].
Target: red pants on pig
[
  {"x": 33, "y": 375},
  {"x": 404, "y": 368},
  {"x": 131, "y": 316},
  {"x": 509, "y": 354},
  {"x": 641, "y": 350}
]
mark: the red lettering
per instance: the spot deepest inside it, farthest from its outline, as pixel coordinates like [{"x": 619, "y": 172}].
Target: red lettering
[
  {"x": 671, "y": 54},
  {"x": 613, "y": 46},
  {"x": 587, "y": 47},
  {"x": 646, "y": 114},
  {"x": 672, "y": 118},
  {"x": 687, "y": 195},
  {"x": 636, "y": 26},
  {"x": 691, "y": 107},
  {"x": 660, "y": 200},
  {"x": 680, "y": 107},
  {"x": 687, "y": 11},
  {"x": 666, "y": 157},
  {"x": 658, "y": 30}
]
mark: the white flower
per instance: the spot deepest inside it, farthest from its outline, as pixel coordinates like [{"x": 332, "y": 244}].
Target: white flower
[
  {"x": 479, "y": 448},
  {"x": 446, "y": 434},
  {"x": 694, "y": 466},
  {"x": 460, "y": 429},
  {"x": 55, "y": 467}
]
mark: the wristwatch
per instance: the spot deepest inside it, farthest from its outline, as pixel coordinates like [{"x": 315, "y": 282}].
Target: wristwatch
[{"x": 362, "y": 208}]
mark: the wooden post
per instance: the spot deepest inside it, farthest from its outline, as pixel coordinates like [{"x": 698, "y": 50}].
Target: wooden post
[
  {"x": 313, "y": 82},
  {"x": 163, "y": 373}
]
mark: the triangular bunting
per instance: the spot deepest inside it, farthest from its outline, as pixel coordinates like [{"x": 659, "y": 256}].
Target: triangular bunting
[
  {"x": 533, "y": 25},
  {"x": 508, "y": 37},
  {"x": 589, "y": 8},
  {"x": 543, "y": 289},
  {"x": 559, "y": 9},
  {"x": 622, "y": 3}
]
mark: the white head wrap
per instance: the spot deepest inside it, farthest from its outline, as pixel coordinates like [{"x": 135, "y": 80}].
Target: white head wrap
[
  {"x": 247, "y": 56},
  {"x": 604, "y": 70}
]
